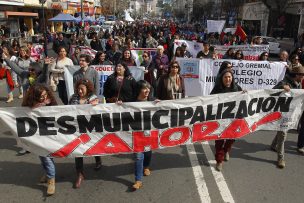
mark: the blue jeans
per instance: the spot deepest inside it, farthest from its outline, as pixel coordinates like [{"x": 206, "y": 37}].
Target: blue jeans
[
  {"x": 49, "y": 166},
  {"x": 143, "y": 160}
]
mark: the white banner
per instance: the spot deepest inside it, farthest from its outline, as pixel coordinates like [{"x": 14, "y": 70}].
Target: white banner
[
  {"x": 250, "y": 75},
  {"x": 215, "y": 26},
  {"x": 251, "y": 52},
  {"x": 86, "y": 130}
]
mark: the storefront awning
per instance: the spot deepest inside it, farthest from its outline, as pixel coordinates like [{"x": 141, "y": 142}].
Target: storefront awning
[{"x": 13, "y": 13}]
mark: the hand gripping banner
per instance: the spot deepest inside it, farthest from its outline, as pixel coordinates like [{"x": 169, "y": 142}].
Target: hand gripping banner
[{"x": 86, "y": 130}]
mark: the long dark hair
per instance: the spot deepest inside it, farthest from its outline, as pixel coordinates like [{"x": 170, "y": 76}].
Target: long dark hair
[
  {"x": 127, "y": 71},
  {"x": 33, "y": 95},
  {"x": 97, "y": 56}
]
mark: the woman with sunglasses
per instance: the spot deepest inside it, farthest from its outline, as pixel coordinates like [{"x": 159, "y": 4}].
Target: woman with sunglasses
[
  {"x": 171, "y": 85},
  {"x": 84, "y": 95},
  {"x": 39, "y": 95},
  {"x": 264, "y": 56},
  {"x": 57, "y": 74},
  {"x": 150, "y": 74}
]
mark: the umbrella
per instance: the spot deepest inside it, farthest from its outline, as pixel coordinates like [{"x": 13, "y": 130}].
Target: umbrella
[{"x": 62, "y": 17}]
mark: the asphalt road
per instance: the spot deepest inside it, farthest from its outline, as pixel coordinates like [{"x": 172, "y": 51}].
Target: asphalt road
[{"x": 179, "y": 174}]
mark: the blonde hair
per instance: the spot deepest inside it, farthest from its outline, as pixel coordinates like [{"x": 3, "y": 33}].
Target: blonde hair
[{"x": 27, "y": 52}]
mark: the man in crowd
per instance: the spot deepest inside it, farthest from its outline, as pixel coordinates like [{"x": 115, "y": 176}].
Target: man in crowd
[
  {"x": 61, "y": 42},
  {"x": 86, "y": 72},
  {"x": 291, "y": 81}
]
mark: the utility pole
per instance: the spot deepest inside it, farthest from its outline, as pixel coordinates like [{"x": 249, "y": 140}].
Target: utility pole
[{"x": 82, "y": 17}]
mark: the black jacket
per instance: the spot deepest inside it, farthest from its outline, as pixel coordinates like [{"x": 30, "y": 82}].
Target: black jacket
[{"x": 127, "y": 90}]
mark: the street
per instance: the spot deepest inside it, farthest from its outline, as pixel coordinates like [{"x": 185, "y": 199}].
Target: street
[{"x": 179, "y": 174}]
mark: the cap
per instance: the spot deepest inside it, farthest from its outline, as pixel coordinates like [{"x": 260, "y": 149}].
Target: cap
[{"x": 297, "y": 70}]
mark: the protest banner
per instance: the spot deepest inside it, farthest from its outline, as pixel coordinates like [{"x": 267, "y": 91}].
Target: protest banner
[
  {"x": 215, "y": 26},
  {"x": 251, "y": 52},
  {"x": 86, "y": 130},
  {"x": 250, "y": 75},
  {"x": 103, "y": 72},
  {"x": 138, "y": 52}
]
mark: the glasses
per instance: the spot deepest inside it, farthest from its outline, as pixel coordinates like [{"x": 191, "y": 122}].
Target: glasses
[{"x": 175, "y": 66}]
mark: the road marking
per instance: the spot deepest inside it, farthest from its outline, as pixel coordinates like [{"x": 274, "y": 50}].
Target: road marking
[
  {"x": 218, "y": 176},
  {"x": 198, "y": 175}
]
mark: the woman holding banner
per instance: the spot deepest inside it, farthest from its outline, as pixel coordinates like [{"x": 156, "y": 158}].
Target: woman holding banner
[
  {"x": 143, "y": 159},
  {"x": 57, "y": 73},
  {"x": 171, "y": 85},
  {"x": 119, "y": 87},
  {"x": 225, "y": 84},
  {"x": 84, "y": 95},
  {"x": 39, "y": 95}
]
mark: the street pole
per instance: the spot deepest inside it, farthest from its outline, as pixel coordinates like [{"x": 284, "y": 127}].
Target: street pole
[
  {"x": 82, "y": 18},
  {"x": 44, "y": 28}
]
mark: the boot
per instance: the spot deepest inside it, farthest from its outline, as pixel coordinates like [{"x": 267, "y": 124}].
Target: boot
[
  {"x": 147, "y": 172},
  {"x": 137, "y": 185},
  {"x": 51, "y": 186},
  {"x": 281, "y": 163},
  {"x": 79, "y": 180},
  {"x": 10, "y": 98}
]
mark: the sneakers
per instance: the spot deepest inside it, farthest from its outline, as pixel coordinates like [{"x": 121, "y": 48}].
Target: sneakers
[
  {"x": 51, "y": 186},
  {"x": 137, "y": 185},
  {"x": 147, "y": 172},
  {"x": 227, "y": 156},
  {"x": 281, "y": 163},
  {"x": 219, "y": 166},
  {"x": 20, "y": 96},
  {"x": 301, "y": 150}
]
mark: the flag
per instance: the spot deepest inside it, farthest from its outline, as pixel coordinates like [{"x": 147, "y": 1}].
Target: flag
[{"x": 240, "y": 32}]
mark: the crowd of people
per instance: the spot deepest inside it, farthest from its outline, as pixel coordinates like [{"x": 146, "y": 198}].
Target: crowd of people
[{"x": 38, "y": 77}]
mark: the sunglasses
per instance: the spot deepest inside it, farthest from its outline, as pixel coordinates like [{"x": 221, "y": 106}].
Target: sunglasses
[{"x": 175, "y": 66}]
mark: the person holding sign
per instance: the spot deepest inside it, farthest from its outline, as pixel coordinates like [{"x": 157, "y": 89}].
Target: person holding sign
[
  {"x": 171, "y": 85},
  {"x": 143, "y": 159},
  {"x": 39, "y": 95},
  {"x": 84, "y": 89},
  {"x": 225, "y": 84},
  {"x": 292, "y": 80}
]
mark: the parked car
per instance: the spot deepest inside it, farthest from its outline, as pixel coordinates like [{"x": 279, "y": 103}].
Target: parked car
[{"x": 274, "y": 45}]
